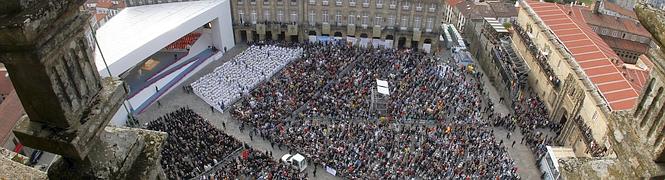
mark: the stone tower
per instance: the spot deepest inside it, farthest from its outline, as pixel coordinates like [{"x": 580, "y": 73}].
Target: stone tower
[{"x": 49, "y": 58}]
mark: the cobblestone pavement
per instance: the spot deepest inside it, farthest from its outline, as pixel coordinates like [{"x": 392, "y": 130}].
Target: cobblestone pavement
[
  {"x": 524, "y": 158},
  {"x": 178, "y": 98}
]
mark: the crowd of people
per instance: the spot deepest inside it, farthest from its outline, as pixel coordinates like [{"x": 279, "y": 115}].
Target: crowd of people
[
  {"x": 253, "y": 164},
  {"x": 232, "y": 79},
  {"x": 193, "y": 145},
  {"x": 318, "y": 107}
]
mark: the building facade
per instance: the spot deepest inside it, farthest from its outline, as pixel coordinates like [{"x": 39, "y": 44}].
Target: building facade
[
  {"x": 574, "y": 72},
  {"x": 392, "y": 23}
]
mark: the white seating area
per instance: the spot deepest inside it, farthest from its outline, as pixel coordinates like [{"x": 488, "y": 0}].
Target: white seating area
[{"x": 232, "y": 79}]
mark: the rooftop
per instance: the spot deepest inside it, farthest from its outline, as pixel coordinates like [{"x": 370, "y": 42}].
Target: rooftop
[
  {"x": 10, "y": 111},
  {"x": 593, "y": 55},
  {"x": 618, "y": 9},
  {"x": 619, "y": 43},
  {"x": 610, "y": 22}
]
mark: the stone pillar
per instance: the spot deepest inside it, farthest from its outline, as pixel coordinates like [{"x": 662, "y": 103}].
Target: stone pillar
[{"x": 44, "y": 48}]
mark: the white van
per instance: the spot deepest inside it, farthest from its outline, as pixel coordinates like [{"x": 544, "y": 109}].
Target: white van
[{"x": 296, "y": 161}]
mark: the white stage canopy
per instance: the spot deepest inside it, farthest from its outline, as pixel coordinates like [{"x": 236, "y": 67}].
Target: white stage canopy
[{"x": 138, "y": 32}]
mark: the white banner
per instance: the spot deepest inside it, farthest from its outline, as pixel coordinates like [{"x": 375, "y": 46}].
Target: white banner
[
  {"x": 351, "y": 40},
  {"x": 364, "y": 42},
  {"x": 427, "y": 47},
  {"x": 377, "y": 43},
  {"x": 388, "y": 44},
  {"x": 331, "y": 171}
]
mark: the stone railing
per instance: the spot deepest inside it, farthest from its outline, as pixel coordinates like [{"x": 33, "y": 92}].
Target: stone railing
[{"x": 593, "y": 147}]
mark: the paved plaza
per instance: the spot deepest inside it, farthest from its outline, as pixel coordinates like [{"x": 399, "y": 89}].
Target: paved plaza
[{"x": 523, "y": 156}]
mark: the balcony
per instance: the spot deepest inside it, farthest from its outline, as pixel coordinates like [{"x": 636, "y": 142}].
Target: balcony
[
  {"x": 432, "y": 9},
  {"x": 379, "y": 6},
  {"x": 352, "y": 4},
  {"x": 252, "y": 3},
  {"x": 312, "y": 2},
  {"x": 325, "y": 3},
  {"x": 365, "y": 5},
  {"x": 405, "y": 8},
  {"x": 294, "y": 3},
  {"x": 540, "y": 57},
  {"x": 338, "y": 3},
  {"x": 392, "y": 6},
  {"x": 403, "y": 28},
  {"x": 593, "y": 147},
  {"x": 419, "y": 8},
  {"x": 266, "y": 2},
  {"x": 364, "y": 26}
]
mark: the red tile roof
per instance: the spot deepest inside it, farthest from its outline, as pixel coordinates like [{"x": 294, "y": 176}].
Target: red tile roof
[
  {"x": 453, "y": 3},
  {"x": 618, "y": 9},
  {"x": 611, "y": 22},
  {"x": 104, "y": 4},
  {"x": 5, "y": 84},
  {"x": 10, "y": 112},
  {"x": 619, "y": 43},
  {"x": 593, "y": 55}
]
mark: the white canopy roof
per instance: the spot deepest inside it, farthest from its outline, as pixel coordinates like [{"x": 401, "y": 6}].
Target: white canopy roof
[{"x": 138, "y": 32}]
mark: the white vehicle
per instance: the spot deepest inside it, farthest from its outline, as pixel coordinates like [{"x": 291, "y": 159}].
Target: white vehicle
[{"x": 296, "y": 161}]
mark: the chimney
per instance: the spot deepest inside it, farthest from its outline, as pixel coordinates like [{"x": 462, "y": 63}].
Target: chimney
[{"x": 596, "y": 6}]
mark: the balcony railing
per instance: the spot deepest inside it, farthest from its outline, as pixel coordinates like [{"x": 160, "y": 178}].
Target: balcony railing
[
  {"x": 338, "y": 3},
  {"x": 540, "y": 57},
  {"x": 352, "y": 4},
  {"x": 325, "y": 3},
  {"x": 392, "y": 6},
  {"x": 379, "y": 6},
  {"x": 593, "y": 148}
]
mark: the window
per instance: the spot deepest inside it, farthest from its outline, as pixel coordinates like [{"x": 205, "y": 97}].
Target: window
[
  {"x": 416, "y": 22},
  {"x": 352, "y": 18},
  {"x": 252, "y": 1},
  {"x": 391, "y": 21},
  {"x": 365, "y": 19},
  {"x": 352, "y": 2},
  {"x": 312, "y": 18},
  {"x": 312, "y": 2},
  {"x": 280, "y": 16},
  {"x": 324, "y": 17},
  {"x": 254, "y": 17},
  {"x": 266, "y": 15},
  {"x": 324, "y": 2},
  {"x": 241, "y": 15},
  {"x": 294, "y": 2},
  {"x": 379, "y": 4},
  {"x": 365, "y": 3},
  {"x": 378, "y": 20},
  {"x": 404, "y": 23},
  {"x": 419, "y": 7},
  {"x": 405, "y": 6},
  {"x": 294, "y": 16},
  {"x": 338, "y": 18},
  {"x": 266, "y": 2},
  {"x": 393, "y": 4},
  {"x": 432, "y": 8},
  {"x": 430, "y": 24},
  {"x": 338, "y": 2},
  {"x": 240, "y": 2}
]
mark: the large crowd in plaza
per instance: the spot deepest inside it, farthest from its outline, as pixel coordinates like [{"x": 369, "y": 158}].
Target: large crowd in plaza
[
  {"x": 318, "y": 106},
  {"x": 194, "y": 146},
  {"x": 314, "y": 99}
]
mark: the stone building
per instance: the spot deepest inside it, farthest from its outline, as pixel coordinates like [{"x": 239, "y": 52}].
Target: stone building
[
  {"x": 613, "y": 131},
  {"x": 491, "y": 46},
  {"x": 390, "y": 23},
  {"x": 462, "y": 12},
  {"x": 575, "y": 73}
]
